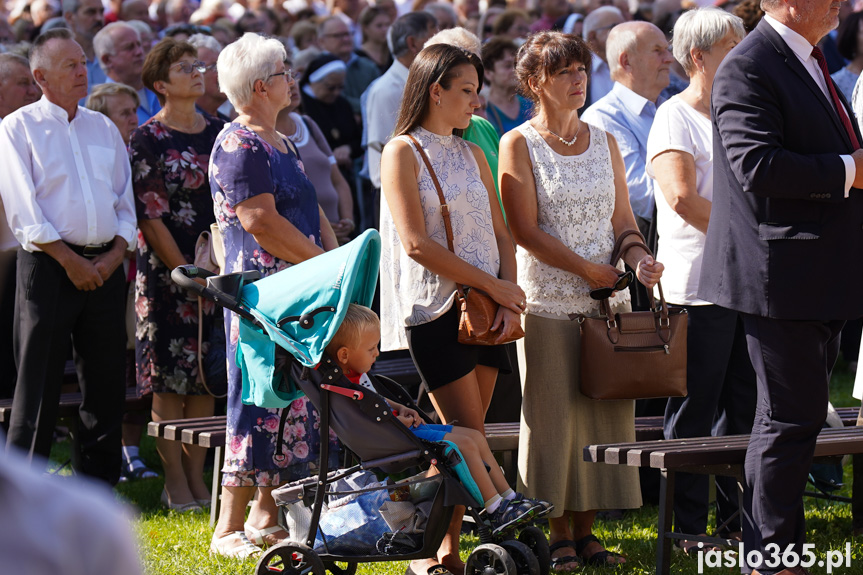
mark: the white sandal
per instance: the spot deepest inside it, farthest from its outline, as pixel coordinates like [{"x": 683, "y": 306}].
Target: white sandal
[
  {"x": 225, "y": 546},
  {"x": 257, "y": 535}
]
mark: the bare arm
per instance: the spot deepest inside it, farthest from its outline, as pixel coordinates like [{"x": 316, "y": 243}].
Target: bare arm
[
  {"x": 328, "y": 236},
  {"x": 160, "y": 239},
  {"x": 399, "y": 170},
  {"x": 518, "y": 191},
  {"x": 675, "y": 173},
  {"x": 278, "y": 236}
]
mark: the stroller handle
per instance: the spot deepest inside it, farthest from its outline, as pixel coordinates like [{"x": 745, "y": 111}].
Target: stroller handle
[{"x": 184, "y": 276}]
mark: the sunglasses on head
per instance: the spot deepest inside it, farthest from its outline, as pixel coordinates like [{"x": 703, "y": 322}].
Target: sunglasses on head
[{"x": 623, "y": 281}]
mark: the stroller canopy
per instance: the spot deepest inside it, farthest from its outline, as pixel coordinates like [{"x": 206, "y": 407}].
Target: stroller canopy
[{"x": 301, "y": 308}]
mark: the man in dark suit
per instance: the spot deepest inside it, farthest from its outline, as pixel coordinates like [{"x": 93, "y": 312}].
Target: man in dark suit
[{"x": 783, "y": 246}]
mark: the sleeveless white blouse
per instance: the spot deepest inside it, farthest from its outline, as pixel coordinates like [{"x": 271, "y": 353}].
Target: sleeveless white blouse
[
  {"x": 575, "y": 202},
  {"x": 411, "y": 294}
]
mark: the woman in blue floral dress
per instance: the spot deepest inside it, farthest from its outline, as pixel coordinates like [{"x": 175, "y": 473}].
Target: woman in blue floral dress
[
  {"x": 169, "y": 155},
  {"x": 269, "y": 216}
]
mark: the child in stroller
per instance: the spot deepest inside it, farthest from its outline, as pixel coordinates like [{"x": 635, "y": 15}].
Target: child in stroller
[{"x": 354, "y": 348}]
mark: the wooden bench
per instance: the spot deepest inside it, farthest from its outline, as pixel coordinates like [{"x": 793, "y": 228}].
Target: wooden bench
[{"x": 712, "y": 456}]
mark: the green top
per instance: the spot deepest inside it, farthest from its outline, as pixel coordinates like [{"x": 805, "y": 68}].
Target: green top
[{"x": 482, "y": 133}]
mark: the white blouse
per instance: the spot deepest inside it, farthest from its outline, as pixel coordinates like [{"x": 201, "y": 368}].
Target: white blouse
[
  {"x": 411, "y": 294},
  {"x": 575, "y": 201}
]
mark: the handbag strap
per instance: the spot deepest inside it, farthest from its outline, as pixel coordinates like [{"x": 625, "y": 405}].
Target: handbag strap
[
  {"x": 444, "y": 207},
  {"x": 617, "y": 253}
]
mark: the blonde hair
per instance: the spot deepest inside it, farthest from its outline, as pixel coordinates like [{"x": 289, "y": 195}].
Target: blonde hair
[{"x": 358, "y": 319}]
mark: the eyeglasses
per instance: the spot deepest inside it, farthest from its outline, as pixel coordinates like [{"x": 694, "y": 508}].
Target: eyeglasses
[
  {"x": 288, "y": 74},
  {"x": 187, "y": 67},
  {"x": 623, "y": 281},
  {"x": 211, "y": 67}
]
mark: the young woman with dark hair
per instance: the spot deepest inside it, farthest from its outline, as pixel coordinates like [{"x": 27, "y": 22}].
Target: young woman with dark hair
[{"x": 418, "y": 271}]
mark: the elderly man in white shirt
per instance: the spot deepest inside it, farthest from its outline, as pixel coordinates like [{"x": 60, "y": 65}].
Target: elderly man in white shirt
[{"x": 67, "y": 190}]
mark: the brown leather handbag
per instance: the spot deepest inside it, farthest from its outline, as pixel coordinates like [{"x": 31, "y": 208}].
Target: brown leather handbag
[
  {"x": 478, "y": 309},
  {"x": 633, "y": 355}
]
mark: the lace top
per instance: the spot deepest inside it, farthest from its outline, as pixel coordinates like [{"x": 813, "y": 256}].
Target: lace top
[
  {"x": 575, "y": 201},
  {"x": 410, "y": 293}
]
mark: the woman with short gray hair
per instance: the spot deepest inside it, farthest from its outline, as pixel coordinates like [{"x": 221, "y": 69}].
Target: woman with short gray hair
[
  {"x": 269, "y": 216},
  {"x": 720, "y": 376}
]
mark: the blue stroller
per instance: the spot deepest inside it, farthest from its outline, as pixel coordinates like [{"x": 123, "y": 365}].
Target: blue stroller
[{"x": 358, "y": 514}]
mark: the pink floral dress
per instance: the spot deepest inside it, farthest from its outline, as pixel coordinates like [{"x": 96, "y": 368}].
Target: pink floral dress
[
  {"x": 169, "y": 178},
  {"x": 244, "y": 165}
]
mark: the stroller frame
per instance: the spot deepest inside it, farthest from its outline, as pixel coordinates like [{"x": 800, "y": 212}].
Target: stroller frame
[{"x": 343, "y": 405}]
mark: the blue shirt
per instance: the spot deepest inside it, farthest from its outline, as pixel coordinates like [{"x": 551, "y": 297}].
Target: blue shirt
[
  {"x": 628, "y": 117},
  {"x": 149, "y": 106},
  {"x": 95, "y": 75}
]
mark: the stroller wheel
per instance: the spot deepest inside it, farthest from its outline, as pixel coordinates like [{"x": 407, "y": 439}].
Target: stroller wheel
[
  {"x": 536, "y": 541},
  {"x": 525, "y": 561},
  {"x": 290, "y": 559},
  {"x": 341, "y": 568},
  {"x": 490, "y": 559}
]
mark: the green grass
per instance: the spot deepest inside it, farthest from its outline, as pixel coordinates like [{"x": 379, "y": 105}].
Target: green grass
[{"x": 176, "y": 544}]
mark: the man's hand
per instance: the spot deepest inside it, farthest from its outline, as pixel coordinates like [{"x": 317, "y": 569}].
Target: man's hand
[
  {"x": 857, "y": 156},
  {"x": 108, "y": 262},
  {"x": 83, "y": 273}
]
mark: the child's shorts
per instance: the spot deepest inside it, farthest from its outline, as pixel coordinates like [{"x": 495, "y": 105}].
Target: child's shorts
[{"x": 431, "y": 431}]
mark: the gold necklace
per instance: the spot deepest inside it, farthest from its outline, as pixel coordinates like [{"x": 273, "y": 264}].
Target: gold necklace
[{"x": 564, "y": 142}]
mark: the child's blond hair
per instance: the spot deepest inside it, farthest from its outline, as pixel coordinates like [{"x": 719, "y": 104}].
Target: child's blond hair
[{"x": 357, "y": 320}]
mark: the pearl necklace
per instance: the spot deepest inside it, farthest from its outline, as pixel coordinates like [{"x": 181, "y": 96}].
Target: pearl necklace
[{"x": 564, "y": 142}]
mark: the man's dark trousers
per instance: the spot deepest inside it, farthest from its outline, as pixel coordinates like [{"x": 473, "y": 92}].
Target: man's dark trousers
[
  {"x": 792, "y": 362},
  {"x": 48, "y": 311}
]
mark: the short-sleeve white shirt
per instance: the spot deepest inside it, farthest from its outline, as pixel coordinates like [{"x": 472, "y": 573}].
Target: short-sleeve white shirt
[{"x": 679, "y": 127}]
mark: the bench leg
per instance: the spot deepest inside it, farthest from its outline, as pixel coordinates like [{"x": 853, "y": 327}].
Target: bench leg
[
  {"x": 666, "y": 510},
  {"x": 216, "y": 491}
]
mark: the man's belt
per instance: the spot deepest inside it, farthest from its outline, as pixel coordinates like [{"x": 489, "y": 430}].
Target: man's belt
[{"x": 91, "y": 250}]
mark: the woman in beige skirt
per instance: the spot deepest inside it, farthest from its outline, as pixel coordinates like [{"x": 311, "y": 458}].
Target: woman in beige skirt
[{"x": 563, "y": 185}]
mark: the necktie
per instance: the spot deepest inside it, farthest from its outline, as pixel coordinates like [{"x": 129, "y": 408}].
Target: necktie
[{"x": 840, "y": 108}]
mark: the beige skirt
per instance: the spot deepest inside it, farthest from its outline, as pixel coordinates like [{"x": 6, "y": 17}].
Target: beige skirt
[{"x": 557, "y": 422}]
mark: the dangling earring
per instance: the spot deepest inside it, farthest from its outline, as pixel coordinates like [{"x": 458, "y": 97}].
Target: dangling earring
[{"x": 438, "y": 103}]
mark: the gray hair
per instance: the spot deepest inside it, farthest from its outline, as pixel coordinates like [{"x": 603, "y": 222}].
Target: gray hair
[
  {"x": 458, "y": 37},
  {"x": 325, "y": 21},
  {"x": 623, "y": 39},
  {"x": 251, "y": 58},
  {"x": 98, "y": 98},
  {"x": 38, "y": 58},
  {"x": 203, "y": 41},
  {"x": 103, "y": 41},
  {"x": 9, "y": 60},
  {"x": 701, "y": 29},
  {"x": 406, "y": 26},
  {"x": 592, "y": 19}
]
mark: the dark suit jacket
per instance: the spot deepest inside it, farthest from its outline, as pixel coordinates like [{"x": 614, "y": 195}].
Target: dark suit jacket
[{"x": 783, "y": 241}]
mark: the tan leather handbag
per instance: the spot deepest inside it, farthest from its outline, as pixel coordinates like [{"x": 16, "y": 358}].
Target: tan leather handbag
[
  {"x": 478, "y": 309},
  {"x": 633, "y": 355}
]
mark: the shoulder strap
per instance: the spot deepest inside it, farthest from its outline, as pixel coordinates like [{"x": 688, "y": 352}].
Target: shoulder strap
[{"x": 444, "y": 208}]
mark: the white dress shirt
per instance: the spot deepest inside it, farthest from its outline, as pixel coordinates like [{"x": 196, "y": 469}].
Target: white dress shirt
[
  {"x": 7, "y": 238},
  {"x": 65, "y": 180},
  {"x": 384, "y": 97},
  {"x": 803, "y": 50}
]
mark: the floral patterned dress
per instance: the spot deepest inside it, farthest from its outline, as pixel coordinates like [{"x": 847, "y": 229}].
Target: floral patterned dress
[
  {"x": 244, "y": 165},
  {"x": 169, "y": 178}
]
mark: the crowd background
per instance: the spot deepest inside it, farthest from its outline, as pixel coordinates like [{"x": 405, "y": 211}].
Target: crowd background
[{"x": 153, "y": 69}]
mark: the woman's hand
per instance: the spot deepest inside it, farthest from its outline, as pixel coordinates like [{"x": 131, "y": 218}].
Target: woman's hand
[
  {"x": 343, "y": 155},
  {"x": 508, "y": 295},
  {"x": 649, "y": 271},
  {"x": 601, "y": 275},
  {"x": 343, "y": 229},
  {"x": 507, "y": 320}
]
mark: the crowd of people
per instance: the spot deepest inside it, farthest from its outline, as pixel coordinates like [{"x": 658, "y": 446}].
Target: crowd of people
[{"x": 549, "y": 131}]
